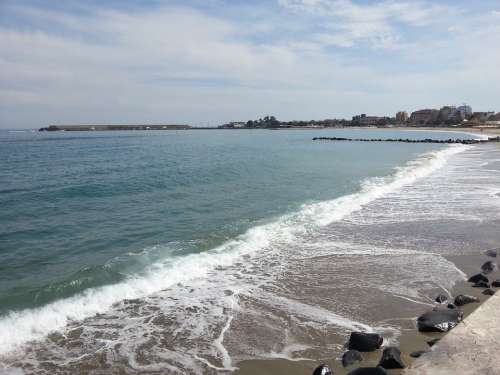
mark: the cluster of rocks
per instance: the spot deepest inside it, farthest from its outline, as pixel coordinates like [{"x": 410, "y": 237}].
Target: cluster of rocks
[
  {"x": 439, "y": 319},
  {"x": 480, "y": 280},
  {"x": 443, "y": 319},
  {"x": 406, "y": 140},
  {"x": 361, "y": 342}
]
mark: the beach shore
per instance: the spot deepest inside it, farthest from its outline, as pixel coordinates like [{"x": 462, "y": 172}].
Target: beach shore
[
  {"x": 484, "y": 131},
  {"x": 409, "y": 341},
  {"x": 468, "y": 130}
]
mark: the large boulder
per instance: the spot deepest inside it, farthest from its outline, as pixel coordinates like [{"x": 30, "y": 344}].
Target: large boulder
[
  {"x": 491, "y": 253},
  {"x": 391, "y": 358},
  {"x": 481, "y": 284},
  {"x": 488, "y": 292},
  {"x": 365, "y": 342},
  {"x": 478, "y": 277},
  {"x": 462, "y": 299},
  {"x": 441, "y": 298},
  {"x": 323, "y": 370},
  {"x": 489, "y": 267},
  {"x": 350, "y": 357},
  {"x": 368, "y": 371},
  {"x": 439, "y": 320}
]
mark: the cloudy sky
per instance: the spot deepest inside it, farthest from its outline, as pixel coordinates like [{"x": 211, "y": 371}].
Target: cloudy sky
[{"x": 205, "y": 62}]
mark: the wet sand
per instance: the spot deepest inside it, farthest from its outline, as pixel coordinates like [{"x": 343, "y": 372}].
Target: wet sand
[{"x": 409, "y": 341}]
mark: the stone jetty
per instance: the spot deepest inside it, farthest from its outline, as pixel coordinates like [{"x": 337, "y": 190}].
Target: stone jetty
[
  {"x": 407, "y": 140},
  {"x": 86, "y": 128}
]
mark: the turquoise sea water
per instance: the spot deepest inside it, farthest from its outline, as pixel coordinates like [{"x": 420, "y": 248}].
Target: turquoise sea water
[
  {"x": 214, "y": 235},
  {"x": 81, "y": 210}
]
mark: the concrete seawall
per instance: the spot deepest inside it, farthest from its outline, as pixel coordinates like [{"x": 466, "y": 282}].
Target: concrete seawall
[{"x": 473, "y": 347}]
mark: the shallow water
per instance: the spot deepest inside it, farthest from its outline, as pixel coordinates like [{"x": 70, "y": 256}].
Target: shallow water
[{"x": 190, "y": 251}]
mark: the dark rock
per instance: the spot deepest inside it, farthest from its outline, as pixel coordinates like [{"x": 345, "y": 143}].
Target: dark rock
[
  {"x": 461, "y": 300},
  {"x": 481, "y": 284},
  {"x": 496, "y": 283},
  {"x": 368, "y": 371},
  {"x": 439, "y": 321},
  {"x": 323, "y": 370},
  {"x": 489, "y": 267},
  {"x": 491, "y": 253},
  {"x": 417, "y": 354},
  {"x": 350, "y": 357},
  {"x": 478, "y": 277},
  {"x": 432, "y": 342},
  {"x": 391, "y": 358},
  {"x": 441, "y": 298},
  {"x": 488, "y": 292},
  {"x": 451, "y": 306},
  {"x": 365, "y": 342}
]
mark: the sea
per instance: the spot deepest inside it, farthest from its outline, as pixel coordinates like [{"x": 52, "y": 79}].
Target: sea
[{"x": 189, "y": 251}]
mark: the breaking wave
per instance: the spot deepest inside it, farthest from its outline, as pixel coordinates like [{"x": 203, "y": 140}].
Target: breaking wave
[{"x": 20, "y": 327}]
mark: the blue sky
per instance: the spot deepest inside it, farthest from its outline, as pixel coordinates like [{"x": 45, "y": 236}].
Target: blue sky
[{"x": 211, "y": 61}]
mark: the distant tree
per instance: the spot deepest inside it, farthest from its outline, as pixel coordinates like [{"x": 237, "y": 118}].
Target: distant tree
[{"x": 273, "y": 122}]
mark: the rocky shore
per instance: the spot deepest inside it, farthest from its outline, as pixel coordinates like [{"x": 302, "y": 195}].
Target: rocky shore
[
  {"x": 370, "y": 353},
  {"x": 446, "y": 315}
]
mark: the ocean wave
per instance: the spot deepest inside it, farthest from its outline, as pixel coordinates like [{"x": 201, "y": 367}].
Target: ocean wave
[{"x": 20, "y": 327}]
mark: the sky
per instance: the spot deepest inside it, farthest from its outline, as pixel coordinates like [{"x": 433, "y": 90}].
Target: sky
[{"x": 207, "y": 62}]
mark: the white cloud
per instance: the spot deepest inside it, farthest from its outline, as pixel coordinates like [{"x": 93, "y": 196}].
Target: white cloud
[
  {"x": 346, "y": 23},
  {"x": 178, "y": 64}
]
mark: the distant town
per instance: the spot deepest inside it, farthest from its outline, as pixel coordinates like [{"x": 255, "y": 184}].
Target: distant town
[{"x": 447, "y": 116}]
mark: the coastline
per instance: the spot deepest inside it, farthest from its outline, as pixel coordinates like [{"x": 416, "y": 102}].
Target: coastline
[
  {"x": 410, "y": 339},
  {"x": 485, "y": 131},
  {"x": 326, "y": 343}
]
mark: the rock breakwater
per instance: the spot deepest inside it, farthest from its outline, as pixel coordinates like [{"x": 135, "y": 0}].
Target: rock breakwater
[{"x": 407, "y": 140}]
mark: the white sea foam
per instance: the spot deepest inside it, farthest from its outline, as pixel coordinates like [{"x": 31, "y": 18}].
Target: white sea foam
[
  {"x": 226, "y": 359},
  {"x": 20, "y": 327},
  {"x": 288, "y": 353},
  {"x": 327, "y": 212},
  {"x": 315, "y": 314}
]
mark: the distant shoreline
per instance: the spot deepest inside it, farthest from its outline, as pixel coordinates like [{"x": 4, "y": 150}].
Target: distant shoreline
[
  {"x": 92, "y": 128},
  {"x": 485, "y": 131}
]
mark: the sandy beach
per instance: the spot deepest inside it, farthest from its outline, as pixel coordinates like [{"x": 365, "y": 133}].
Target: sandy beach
[
  {"x": 485, "y": 131},
  {"x": 409, "y": 341}
]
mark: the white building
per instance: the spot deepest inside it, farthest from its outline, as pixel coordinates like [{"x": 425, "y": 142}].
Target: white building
[{"x": 465, "y": 111}]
